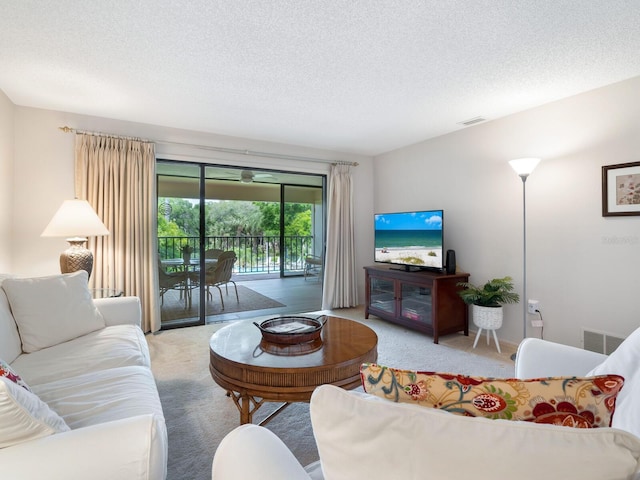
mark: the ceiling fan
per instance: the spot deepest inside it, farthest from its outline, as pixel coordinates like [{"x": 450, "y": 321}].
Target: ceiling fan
[
  {"x": 244, "y": 176},
  {"x": 248, "y": 176}
]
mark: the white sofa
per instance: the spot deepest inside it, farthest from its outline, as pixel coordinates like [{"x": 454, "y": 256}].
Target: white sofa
[
  {"x": 363, "y": 436},
  {"x": 93, "y": 409}
]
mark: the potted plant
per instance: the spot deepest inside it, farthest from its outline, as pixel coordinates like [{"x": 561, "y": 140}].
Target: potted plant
[
  {"x": 186, "y": 253},
  {"x": 487, "y": 301}
]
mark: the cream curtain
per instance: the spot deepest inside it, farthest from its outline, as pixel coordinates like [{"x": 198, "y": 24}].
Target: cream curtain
[
  {"x": 340, "y": 289},
  {"x": 117, "y": 177}
]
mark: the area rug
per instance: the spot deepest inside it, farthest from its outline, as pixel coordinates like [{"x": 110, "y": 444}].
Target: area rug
[
  {"x": 175, "y": 308},
  {"x": 199, "y": 414}
]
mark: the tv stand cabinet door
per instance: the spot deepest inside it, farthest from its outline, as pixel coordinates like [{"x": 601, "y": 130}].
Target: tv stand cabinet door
[{"x": 382, "y": 296}]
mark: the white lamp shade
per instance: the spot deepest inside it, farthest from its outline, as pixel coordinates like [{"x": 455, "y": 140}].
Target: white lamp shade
[
  {"x": 75, "y": 218},
  {"x": 524, "y": 166}
]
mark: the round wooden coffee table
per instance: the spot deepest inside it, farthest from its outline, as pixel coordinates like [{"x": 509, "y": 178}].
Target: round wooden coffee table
[{"x": 253, "y": 371}]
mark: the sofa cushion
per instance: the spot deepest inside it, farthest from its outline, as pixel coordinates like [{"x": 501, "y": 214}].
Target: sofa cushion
[
  {"x": 103, "y": 396},
  {"x": 110, "y": 347},
  {"x": 23, "y": 416},
  {"x": 10, "y": 344},
  {"x": 7, "y": 372},
  {"x": 625, "y": 361},
  {"x": 363, "y": 436},
  {"x": 51, "y": 310},
  {"x": 567, "y": 401}
]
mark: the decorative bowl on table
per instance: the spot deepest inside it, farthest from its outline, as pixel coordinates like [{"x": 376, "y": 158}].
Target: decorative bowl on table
[{"x": 290, "y": 330}]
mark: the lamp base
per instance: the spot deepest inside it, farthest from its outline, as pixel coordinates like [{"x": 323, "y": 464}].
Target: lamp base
[{"x": 76, "y": 257}]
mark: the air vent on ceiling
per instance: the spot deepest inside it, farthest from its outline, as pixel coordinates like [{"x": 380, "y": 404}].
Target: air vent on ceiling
[
  {"x": 600, "y": 342},
  {"x": 473, "y": 121}
]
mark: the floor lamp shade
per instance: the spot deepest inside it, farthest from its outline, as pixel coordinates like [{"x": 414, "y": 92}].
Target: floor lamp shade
[
  {"x": 75, "y": 220},
  {"x": 524, "y": 166}
]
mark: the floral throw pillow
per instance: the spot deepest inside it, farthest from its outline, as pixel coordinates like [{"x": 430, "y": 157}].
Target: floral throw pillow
[
  {"x": 7, "y": 372},
  {"x": 587, "y": 402}
]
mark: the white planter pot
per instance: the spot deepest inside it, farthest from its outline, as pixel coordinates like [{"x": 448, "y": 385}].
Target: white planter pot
[{"x": 488, "y": 318}]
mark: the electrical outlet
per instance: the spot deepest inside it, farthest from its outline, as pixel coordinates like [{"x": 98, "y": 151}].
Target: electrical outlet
[
  {"x": 536, "y": 322},
  {"x": 533, "y": 306}
]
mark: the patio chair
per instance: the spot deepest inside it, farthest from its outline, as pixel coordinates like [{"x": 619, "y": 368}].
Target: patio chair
[
  {"x": 220, "y": 274},
  {"x": 213, "y": 253},
  {"x": 312, "y": 266},
  {"x": 171, "y": 281}
]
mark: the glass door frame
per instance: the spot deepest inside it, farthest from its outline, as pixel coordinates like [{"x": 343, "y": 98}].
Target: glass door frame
[{"x": 199, "y": 318}]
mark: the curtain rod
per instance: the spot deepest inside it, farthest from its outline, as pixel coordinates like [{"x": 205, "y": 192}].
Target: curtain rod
[
  {"x": 66, "y": 129},
  {"x": 235, "y": 151}
]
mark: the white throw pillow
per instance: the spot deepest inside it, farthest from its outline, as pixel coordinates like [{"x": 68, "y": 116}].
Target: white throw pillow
[
  {"x": 23, "y": 416},
  {"x": 362, "y": 436},
  {"x": 625, "y": 361},
  {"x": 51, "y": 310}
]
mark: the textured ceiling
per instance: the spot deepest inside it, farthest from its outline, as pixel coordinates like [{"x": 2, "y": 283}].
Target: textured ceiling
[{"x": 361, "y": 76}]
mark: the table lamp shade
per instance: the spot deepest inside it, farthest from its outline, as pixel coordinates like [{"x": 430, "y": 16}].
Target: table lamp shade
[{"x": 76, "y": 220}]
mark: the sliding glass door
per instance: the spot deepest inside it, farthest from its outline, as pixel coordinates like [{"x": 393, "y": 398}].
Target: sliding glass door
[
  {"x": 179, "y": 243},
  {"x": 273, "y": 221},
  {"x": 302, "y": 220}
]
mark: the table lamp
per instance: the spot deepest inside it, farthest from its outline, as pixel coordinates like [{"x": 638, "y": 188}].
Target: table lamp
[{"x": 76, "y": 220}]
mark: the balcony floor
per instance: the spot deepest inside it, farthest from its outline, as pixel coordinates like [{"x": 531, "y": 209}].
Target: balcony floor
[{"x": 296, "y": 294}]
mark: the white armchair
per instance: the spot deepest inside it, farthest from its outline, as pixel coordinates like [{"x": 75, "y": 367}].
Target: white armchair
[
  {"x": 362, "y": 436},
  {"x": 269, "y": 457},
  {"x": 539, "y": 358}
]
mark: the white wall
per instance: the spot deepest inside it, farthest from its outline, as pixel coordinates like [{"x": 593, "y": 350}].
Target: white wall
[
  {"x": 6, "y": 180},
  {"x": 44, "y": 175},
  {"x": 582, "y": 267}
]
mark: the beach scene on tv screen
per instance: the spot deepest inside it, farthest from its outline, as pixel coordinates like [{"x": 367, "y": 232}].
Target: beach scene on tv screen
[{"x": 413, "y": 238}]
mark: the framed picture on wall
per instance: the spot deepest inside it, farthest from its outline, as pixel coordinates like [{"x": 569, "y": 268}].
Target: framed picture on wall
[{"x": 621, "y": 189}]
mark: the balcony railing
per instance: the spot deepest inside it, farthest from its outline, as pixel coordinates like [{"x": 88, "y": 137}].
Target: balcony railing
[{"x": 256, "y": 254}]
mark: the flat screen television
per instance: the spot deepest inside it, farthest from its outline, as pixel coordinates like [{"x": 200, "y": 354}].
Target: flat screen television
[{"x": 411, "y": 240}]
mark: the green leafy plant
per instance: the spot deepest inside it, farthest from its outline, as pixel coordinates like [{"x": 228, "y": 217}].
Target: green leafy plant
[{"x": 494, "y": 293}]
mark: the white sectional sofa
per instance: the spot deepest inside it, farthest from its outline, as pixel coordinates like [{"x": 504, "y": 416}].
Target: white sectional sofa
[
  {"x": 364, "y": 436},
  {"x": 92, "y": 409}
]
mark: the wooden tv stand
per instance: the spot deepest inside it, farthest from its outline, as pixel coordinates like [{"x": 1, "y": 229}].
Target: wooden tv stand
[{"x": 422, "y": 300}]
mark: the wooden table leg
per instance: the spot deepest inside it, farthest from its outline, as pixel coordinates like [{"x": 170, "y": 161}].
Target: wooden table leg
[{"x": 246, "y": 404}]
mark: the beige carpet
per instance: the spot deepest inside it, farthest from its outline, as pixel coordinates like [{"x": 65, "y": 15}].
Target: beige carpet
[
  {"x": 174, "y": 307},
  {"x": 199, "y": 414}
]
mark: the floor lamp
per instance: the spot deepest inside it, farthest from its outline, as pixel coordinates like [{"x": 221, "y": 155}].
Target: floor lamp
[{"x": 524, "y": 167}]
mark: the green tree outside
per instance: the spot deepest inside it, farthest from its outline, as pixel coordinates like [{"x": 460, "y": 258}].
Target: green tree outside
[{"x": 179, "y": 217}]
